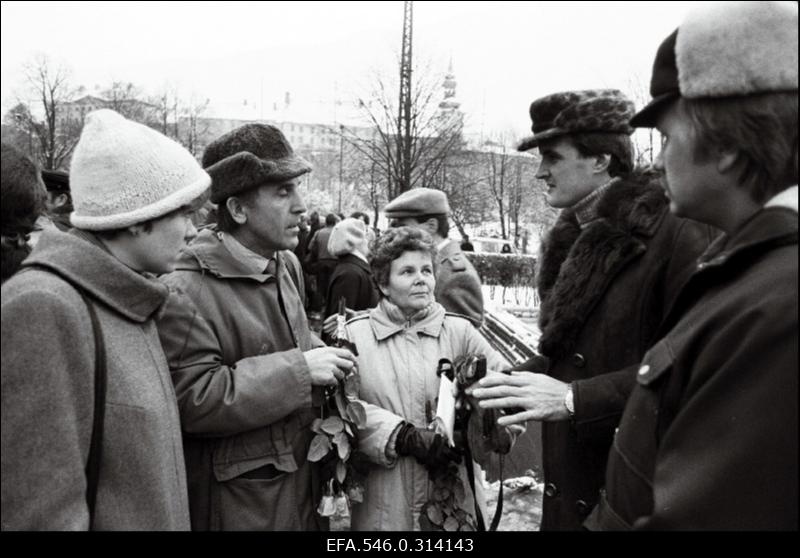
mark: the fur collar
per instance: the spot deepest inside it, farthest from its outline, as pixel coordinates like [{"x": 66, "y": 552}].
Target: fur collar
[{"x": 577, "y": 265}]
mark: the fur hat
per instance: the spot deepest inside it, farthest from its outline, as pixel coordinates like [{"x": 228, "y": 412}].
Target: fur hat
[
  {"x": 722, "y": 50},
  {"x": 417, "y": 202},
  {"x": 123, "y": 173},
  {"x": 571, "y": 112},
  {"x": 250, "y": 156},
  {"x": 346, "y": 236}
]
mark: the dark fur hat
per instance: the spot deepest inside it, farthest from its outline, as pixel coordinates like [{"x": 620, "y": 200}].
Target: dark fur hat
[
  {"x": 572, "y": 112},
  {"x": 250, "y": 156}
]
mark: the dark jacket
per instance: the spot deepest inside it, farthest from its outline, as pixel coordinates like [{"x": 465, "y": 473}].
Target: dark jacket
[
  {"x": 709, "y": 437},
  {"x": 48, "y": 367},
  {"x": 235, "y": 349},
  {"x": 604, "y": 290},
  {"x": 351, "y": 279}
]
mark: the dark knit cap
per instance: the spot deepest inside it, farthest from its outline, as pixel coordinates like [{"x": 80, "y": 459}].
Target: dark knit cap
[
  {"x": 250, "y": 156},
  {"x": 573, "y": 112}
]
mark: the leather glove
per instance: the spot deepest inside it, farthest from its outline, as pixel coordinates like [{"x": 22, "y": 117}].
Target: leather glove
[{"x": 426, "y": 446}]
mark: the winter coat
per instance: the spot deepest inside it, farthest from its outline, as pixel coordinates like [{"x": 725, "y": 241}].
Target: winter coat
[
  {"x": 604, "y": 290},
  {"x": 48, "y": 367},
  {"x": 397, "y": 371},
  {"x": 458, "y": 287},
  {"x": 235, "y": 350},
  {"x": 351, "y": 279},
  {"x": 709, "y": 437}
]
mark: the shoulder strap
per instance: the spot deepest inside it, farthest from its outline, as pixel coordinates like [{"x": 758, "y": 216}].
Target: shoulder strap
[
  {"x": 98, "y": 423},
  {"x": 100, "y": 381}
]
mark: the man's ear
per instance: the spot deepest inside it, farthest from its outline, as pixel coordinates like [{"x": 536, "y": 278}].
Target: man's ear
[
  {"x": 136, "y": 230},
  {"x": 601, "y": 162},
  {"x": 727, "y": 160},
  {"x": 237, "y": 210}
]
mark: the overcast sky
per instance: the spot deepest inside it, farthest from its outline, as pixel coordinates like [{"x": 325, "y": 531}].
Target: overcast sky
[{"x": 505, "y": 54}]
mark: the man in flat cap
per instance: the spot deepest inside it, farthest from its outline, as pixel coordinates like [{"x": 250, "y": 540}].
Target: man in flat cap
[
  {"x": 608, "y": 270},
  {"x": 59, "y": 198},
  {"x": 458, "y": 287},
  {"x": 243, "y": 360},
  {"x": 709, "y": 436}
]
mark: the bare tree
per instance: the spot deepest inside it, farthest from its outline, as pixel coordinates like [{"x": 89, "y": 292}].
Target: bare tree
[
  {"x": 645, "y": 141},
  {"x": 55, "y": 137},
  {"x": 193, "y": 126},
  {"x": 497, "y": 160},
  {"x": 405, "y": 153}
]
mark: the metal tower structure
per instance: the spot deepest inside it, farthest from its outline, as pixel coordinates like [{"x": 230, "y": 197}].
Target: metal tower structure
[{"x": 404, "y": 117}]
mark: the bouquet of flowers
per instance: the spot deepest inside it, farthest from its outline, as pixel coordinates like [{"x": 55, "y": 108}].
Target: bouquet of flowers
[{"x": 336, "y": 442}]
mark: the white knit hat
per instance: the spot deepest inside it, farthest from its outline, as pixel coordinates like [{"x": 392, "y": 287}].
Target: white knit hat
[
  {"x": 346, "y": 236},
  {"x": 123, "y": 173}
]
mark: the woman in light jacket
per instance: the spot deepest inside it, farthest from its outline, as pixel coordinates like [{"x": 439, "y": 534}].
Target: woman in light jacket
[{"x": 400, "y": 343}]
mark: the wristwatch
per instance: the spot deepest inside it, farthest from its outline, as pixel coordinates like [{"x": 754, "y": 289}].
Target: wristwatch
[{"x": 569, "y": 403}]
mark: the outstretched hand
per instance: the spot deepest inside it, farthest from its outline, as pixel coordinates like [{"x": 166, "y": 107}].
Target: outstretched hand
[{"x": 531, "y": 396}]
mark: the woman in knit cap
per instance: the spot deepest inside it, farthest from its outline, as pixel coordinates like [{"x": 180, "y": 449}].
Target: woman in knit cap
[
  {"x": 23, "y": 197},
  {"x": 84, "y": 377},
  {"x": 351, "y": 278}
]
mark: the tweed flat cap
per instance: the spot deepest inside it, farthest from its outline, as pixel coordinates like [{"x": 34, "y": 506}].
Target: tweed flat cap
[
  {"x": 722, "y": 50},
  {"x": 417, "y": 202},
  {"x": 571, "y": 112},
  {"x": 250, "y": 156}
]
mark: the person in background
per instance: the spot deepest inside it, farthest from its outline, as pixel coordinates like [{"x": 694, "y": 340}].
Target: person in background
[
  {"x": 351, "y": 278},
  {"x": 133, "y": 190},
  {"x": 365, "y": 218},
  {"x": 320, "y": 260},
  {"x": 466, "y": 245},
  {"x": 59, "y": 199},
  {"x": 23, "y": 201},
  {"x": 709, "y": 436}
]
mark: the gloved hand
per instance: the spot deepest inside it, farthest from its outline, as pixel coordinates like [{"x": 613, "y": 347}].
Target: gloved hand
[{"x": 426, "y": 446}]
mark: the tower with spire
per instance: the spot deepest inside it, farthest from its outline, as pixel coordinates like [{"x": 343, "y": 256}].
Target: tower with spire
[{"x": 450, "y": 116}]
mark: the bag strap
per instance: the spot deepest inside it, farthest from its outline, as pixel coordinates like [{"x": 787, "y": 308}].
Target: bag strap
[
  {"x": 98, "y": 423},
  {"x": 100, "y": 382}
]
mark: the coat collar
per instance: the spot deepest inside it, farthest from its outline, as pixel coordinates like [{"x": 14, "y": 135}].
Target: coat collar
[
  {"x": 207, "y": 253},
  {"x": 575, "y": 260},
  {"x": 82, "y": 260},
  {"x": 356, "y": 261},
  {"x": 384, "y": 327},
  {"x": 773, "y": 226}
]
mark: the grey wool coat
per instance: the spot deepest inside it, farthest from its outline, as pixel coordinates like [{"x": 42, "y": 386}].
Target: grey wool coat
[
  {"x": 48, "y": 363},
  {"x": 604, "y": 289}
]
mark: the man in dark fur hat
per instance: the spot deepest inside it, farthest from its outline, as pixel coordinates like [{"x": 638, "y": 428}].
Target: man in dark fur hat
[
  {"x": 608, "y": 271},
  {"x": 243, "y": 359}
]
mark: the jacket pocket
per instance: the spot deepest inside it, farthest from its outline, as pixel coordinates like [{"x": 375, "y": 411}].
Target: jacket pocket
[
  {"x": 279, "y": 445},
  {"x": 257, "y": 504}
]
